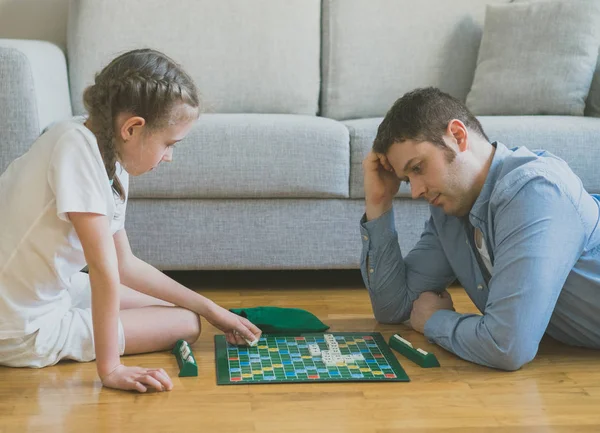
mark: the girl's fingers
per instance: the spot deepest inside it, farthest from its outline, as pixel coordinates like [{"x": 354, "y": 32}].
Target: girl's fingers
[
  {"x": 138, "y": 386},
  {"x": 252, "y": 327},
  {"x": 150, "y": 380},
  {"x": 239, "y": 340},
  {"x": 166, "y": 375},
  {"x": 230, "y": 338},
  {"x": 162, "y": 377},
  {"x": 245, "y": 334}
]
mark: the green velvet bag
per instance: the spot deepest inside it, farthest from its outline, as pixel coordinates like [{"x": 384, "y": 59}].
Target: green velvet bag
[{"x": 277, "y": 320}]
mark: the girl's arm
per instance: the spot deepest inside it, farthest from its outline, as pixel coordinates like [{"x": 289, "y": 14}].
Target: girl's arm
[
  {"x": 94, "y": 234},
  {"x": 93, "y": 231},
  {"x": 144, "y": 278}
]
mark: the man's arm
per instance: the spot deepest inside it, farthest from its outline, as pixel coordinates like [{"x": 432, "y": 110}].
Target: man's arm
[
  {"x": 539, "y": 237},
  {"x": 393, "y": 282}
]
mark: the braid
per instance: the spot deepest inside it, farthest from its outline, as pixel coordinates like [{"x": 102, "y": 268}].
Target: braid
[
  {"x": 100, "y": 97},
  {"x": 145, "y": 83}
]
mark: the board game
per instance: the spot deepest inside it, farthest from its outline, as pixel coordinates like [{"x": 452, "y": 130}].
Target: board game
[{"x": 330, "y": 357}]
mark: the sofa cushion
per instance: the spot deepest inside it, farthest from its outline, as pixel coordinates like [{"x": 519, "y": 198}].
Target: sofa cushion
[
  {"x": 258, "y": 234},
  {"x": 592, "y": 104},
  {"x": 374, "y": 51},
  {"x": 33, "y": 94},
  {"x": 254, "y": 155},
  {"x": 19, "y": 125},
  {"x": 574, "y": 139},
  {"x": 260, "y": 56},
  {"x": 536, "y": 58},
  {"x": 362, "y": 134}
]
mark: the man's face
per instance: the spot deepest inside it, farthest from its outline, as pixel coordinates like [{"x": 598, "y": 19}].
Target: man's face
[{"x": 442, "y": 176}]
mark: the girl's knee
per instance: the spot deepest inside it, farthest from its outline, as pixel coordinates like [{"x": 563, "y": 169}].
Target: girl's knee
[{"x": 194, "y": 327}]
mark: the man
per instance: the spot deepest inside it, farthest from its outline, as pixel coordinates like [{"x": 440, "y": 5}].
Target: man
[{"x": 516, "y": 228}]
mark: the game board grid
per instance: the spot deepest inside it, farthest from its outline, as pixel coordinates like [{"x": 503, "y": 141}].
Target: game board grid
[{"x": 290, "y": 361}]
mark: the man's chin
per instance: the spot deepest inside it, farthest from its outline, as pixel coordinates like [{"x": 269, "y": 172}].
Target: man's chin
[{"x": 450, "y": 210}]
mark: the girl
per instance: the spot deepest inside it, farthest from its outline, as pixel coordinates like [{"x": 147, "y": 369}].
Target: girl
[{"x": 63, "y": 207}]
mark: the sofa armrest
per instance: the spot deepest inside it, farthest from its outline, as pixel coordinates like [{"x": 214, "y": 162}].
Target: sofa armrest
[
  {"x": 42, "y": 66},
  {"x": 34, "y": 93}
]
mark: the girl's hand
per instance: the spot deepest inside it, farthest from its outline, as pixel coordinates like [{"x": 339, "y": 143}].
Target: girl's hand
[
  {"x": 138, "y": 379},
  {"x": 238, "y": 330}
]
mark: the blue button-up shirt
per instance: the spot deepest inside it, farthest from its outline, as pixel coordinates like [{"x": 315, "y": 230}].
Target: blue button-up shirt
[{"x": 541, "y": 230}]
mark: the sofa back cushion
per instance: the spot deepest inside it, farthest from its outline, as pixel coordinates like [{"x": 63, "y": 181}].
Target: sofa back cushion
[
  {"x": 592, "y": 106},
  {"x": 375, "y": 51},
  {"x": 251, "y": 156},
  {"x": 260, "y": 56}
]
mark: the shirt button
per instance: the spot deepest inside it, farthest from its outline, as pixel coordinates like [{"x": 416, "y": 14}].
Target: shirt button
[
  {"x": 365, "y": 238},
  {"x": 371, "y": 270},
  {"x": 480, "y": 287}
]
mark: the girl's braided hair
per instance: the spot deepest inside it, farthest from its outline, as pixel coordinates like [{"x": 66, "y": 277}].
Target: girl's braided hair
[{"x": 143, "y": 82}]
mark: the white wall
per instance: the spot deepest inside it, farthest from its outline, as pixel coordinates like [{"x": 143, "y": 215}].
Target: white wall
[{"x": 34, "y": 19}]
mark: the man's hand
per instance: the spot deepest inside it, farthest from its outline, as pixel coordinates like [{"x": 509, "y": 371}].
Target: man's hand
[
  {"x": 381, "y": 185},
  {"x": 427, "y": 304}
]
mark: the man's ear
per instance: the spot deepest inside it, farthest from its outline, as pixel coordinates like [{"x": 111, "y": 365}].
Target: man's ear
[
  {"x": 131, "y": 126},
  {"x": 459, "y": 134}
]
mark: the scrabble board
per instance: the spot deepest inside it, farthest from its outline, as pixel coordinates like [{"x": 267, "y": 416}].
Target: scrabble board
[{"x": 332, "y": 357}]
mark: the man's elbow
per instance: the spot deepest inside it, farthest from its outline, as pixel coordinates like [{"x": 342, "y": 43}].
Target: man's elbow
[
  {"x": 384, "y": 319},
  {"x": 389, "y": 317},
  {"x": 515, "y": 358}
]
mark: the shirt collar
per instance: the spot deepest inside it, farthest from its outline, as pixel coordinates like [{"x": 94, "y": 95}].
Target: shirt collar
[{"x": 479, "y": 210}]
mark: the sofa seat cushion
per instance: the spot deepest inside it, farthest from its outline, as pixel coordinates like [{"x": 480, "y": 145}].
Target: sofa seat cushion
[{"x": 252, "y": 156}]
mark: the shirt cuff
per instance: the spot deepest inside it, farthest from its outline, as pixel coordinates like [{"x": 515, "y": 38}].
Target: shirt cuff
[
  {"x": 441, "y": 325},
  {"x": 379, "y": 230}
]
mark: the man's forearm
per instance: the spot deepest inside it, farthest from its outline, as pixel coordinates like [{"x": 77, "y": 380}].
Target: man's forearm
[
  {"x": 374, "y": 208},
  {"x": 382, "y": 269},
  {"x": 474, "y": 339}
]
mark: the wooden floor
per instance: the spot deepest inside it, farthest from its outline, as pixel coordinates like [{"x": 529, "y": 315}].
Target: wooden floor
[{"x": 558, "y": 392}]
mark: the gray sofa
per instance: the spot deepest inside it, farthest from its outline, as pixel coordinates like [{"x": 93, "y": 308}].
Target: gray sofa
[{"x": 270, "y": 177}]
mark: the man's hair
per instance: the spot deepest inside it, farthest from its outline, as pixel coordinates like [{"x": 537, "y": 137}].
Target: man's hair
[{"x": 423, "y": 115}]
